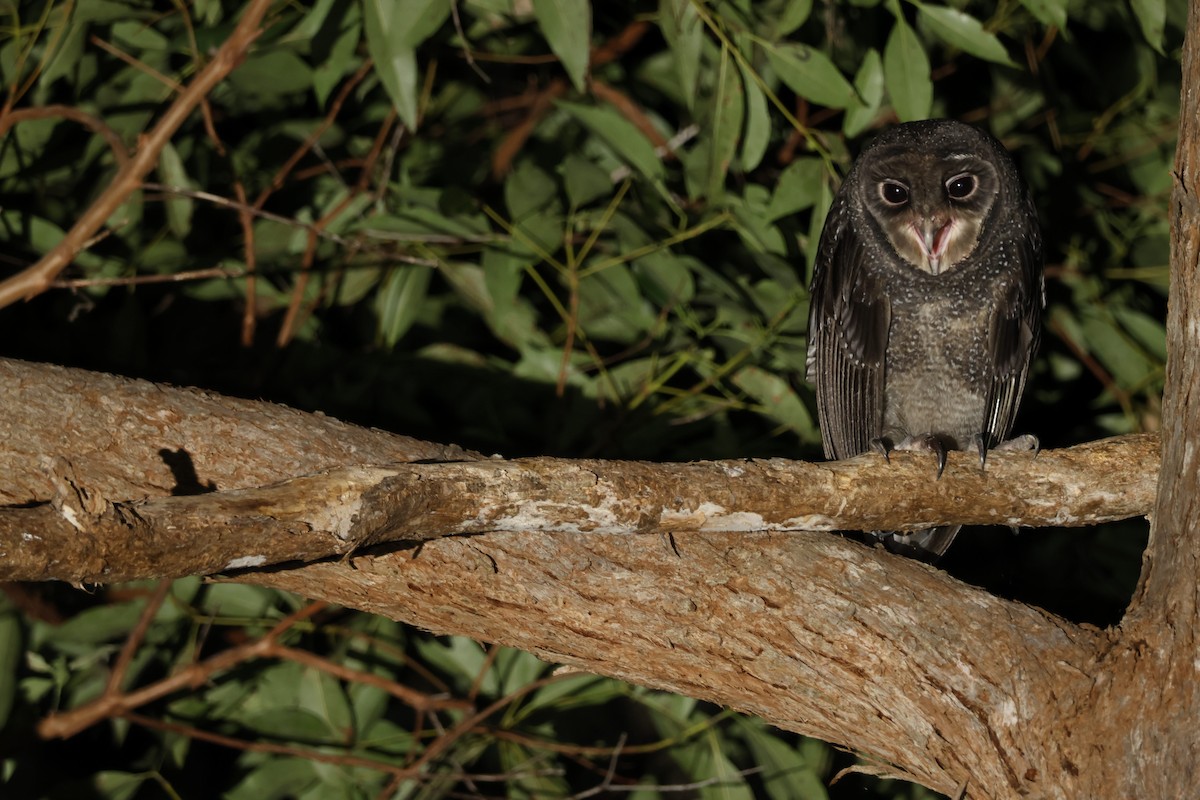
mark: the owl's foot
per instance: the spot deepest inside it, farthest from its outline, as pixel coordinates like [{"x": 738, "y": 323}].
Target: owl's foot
[
  {"x": 1024, "y": 443},
  {"x": 926, "y": 442}
]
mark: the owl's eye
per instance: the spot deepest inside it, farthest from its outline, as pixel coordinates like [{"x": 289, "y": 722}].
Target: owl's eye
[
  {"x": 894, "y": 194},
  {"x": 961, "y": 187}
]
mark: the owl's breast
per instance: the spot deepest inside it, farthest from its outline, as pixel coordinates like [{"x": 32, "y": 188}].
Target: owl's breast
[{"x": 936, "y": 375}]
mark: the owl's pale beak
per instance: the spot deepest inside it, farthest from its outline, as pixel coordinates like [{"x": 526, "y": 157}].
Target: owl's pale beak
[{"x": 933, "y": 237}]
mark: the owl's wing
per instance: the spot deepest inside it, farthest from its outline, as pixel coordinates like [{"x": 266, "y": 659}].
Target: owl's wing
[
  {"x": 1015, "y": 331},
  {"x": 848, "y": 326}
]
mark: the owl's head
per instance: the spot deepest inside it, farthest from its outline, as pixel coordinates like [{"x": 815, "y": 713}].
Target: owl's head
[{"x": 931, "y": 187}]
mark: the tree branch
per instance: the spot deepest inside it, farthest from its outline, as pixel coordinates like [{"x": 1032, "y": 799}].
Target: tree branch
[
  {"x": 940, "y": 681},
  {"x": 78, "y": 532}
]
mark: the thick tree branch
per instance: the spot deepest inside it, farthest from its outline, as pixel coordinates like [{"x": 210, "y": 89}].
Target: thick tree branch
[
  {"x": 941, "y": 681},
  {"x": 81, "y": 532}
]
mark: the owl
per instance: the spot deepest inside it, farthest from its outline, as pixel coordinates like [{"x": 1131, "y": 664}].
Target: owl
[{"x": 927, "y": 295}]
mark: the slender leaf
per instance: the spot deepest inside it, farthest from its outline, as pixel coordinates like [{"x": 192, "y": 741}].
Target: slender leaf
[
  {"x": 400, "y": 300},
  {"x": 1048, "y": 12},
  {"x": 684, "y": 32},
  {"x": 810, "y": 74},
  {"x": 178, "y": 207},
  {"x": 758, "y": 123},
  {"x": 868, "y": 82},
  {"x": 620, "y": 134},
  {"x": 794, "y": 14},
  {"x": 906, "y": 73},
  {"x": 961, "y": 30},
  {"x": 567, "y": 26},
  {"x": 1152, "y": 17},
  {"x": 726, "y": 113},
  {"x": 395, "y": 60}
]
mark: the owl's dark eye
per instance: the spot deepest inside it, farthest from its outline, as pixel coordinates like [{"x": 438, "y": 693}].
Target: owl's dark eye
[
  {"x": 961, "y": 187},
  {"x": 894, "y": 194}
]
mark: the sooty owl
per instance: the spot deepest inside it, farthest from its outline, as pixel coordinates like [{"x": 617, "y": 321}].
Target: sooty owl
[{"x": 926, "y": 302}]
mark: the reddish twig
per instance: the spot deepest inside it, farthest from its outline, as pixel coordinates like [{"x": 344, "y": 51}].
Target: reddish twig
[
  {"x": 134, "y": 640},
  {"x": 89, "y": 121}
]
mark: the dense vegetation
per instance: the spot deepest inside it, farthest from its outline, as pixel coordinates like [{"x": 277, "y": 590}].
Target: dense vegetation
[{"x": 534, "y": 227}]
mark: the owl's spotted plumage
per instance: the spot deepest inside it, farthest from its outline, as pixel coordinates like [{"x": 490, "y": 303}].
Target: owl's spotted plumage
[{"x": 926, "y": 301}]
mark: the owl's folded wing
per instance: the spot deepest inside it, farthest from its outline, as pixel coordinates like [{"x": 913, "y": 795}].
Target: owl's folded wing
[{"x": 848, "y": 326}]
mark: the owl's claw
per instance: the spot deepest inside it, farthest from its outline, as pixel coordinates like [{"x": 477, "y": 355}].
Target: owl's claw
[
  {"x": 981, "y": 447},
  {"x": 929, "y": 443}
]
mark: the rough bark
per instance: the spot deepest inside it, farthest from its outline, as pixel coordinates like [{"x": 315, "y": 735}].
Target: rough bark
[
  {"x": 128, "y": 439},
  {"x": 88, "y": 517},
  {"x": 941, "y": 682}
]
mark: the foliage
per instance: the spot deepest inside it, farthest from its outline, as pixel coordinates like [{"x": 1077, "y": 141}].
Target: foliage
[{"x": 456, "y": 221}]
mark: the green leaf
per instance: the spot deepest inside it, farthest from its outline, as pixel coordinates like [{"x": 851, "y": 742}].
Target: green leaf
[
  {"x": 276, "y": 779},
  {"x": 323, "y": 696},
  {"x": 1152, "y": 17},
  {"x": 665, "y": 278},
  {"x": 725, "y": 115},
  {"x": 1148, "y": 331},
  {"x": 810, "y": 74},
  {"x": 1127, "y": 364},
  {"x": 272, "y": 74},
  {"x": 868, "y": 82},
  {"x": 798, "y": 188},
  {"x": 1048, "y": 12},
  {"x": 400, "y": 299},
  {"x": 611, "y": 307},
  {"x": 178, "y": 207},
  {"x": 567, "y": 26},
  {"x": 787, "y": 774},
  {"x": 906, "y": 72},
  {"x": 117, "y": 785},
  {"x": 963, "y": 31},
  {"x": 777, "y": 397},
  {"x": 95, "y": 625},
  {"x": 620, "y": 134},
  {"x": 584, "y": 181},
  {"x": 528, "y": 189},
  {"x": 684, "y": 32},
  {"x": 794, "y": 14},
  {"x": 758, "y": 123},
  {"x": 395, "y": 59},
  {"x": 571, "y": 692},
  {"x": 511, "y": 317}
]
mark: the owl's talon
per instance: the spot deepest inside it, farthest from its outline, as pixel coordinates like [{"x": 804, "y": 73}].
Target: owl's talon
[{"x": 981, "y": 447}]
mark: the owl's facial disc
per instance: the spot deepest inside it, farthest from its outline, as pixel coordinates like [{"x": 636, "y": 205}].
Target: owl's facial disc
[{"x": 933, "y": 217}]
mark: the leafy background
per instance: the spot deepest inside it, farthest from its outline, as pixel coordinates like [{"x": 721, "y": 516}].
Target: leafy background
[{"x": 535, "y": 227}]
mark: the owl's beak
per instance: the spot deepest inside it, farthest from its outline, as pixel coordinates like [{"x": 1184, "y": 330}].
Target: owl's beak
[{"x": 933, "y": 237}]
